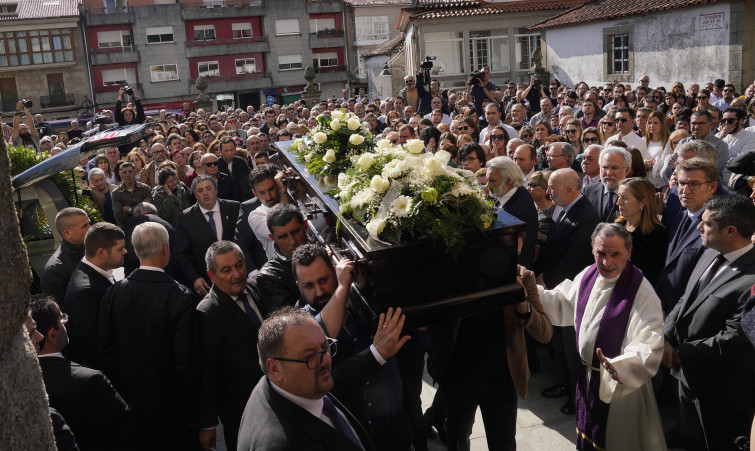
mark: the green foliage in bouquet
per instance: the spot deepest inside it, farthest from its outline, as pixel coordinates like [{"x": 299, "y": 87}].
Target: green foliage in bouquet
[
  {"x": 401, "y": 193},
  {"x": 328, "y": 148}
]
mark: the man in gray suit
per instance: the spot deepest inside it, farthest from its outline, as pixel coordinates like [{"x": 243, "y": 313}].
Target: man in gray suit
[{"x": 705, "y": 345}]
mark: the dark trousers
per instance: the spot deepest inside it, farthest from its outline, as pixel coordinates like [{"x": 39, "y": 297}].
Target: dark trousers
[
  {"x": 707, "y": 427},
  {"x": 498, "y": 404},
  {"x": 411, "y": 364},
  {"x": 395, "y": 435},
  {"x": 564, "y": 342}
]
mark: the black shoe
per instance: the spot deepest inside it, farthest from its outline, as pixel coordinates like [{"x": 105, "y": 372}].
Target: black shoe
[
  {"x": 556, "y": 391},
  {"x": 568, "y": 408}
]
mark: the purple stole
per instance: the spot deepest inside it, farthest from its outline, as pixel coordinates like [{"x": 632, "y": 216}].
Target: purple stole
[{"x": 592, "y": 413}]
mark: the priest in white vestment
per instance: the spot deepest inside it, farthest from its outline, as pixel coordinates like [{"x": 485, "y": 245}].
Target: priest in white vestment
[{"x": 619, "y": 325}]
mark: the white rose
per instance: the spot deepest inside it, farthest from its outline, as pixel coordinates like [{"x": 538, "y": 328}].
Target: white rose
[
  {"x": 375, "y": 227},
  {"x": 353, "y": 123},
  {"x": 330, "y": 156},
  {"x": 379, "y": 184},
  {"x": 308, "y": 157},
  {"x": 343, "y": 180},
  {"x": 335, "y": 124},
  {"x": 337, "y": 114},
  {"x": 402, "y": 206},
  {"x": 443, "y": 156},
  {"x": 356, "y": 139},
  {"x": 384, "y": 144},
  {"x": 320, "y": 137},
  {"x": 366, "y": 160},
  {"x": 433, "y": 165},
  {"x": 415, "y": 146}
]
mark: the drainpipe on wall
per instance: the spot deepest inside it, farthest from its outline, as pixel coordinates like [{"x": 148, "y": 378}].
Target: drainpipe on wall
[{"x": 88, "y": 56}]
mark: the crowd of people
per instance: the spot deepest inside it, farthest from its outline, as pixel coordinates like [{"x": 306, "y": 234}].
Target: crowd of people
[{"x": 637, "y": 264}]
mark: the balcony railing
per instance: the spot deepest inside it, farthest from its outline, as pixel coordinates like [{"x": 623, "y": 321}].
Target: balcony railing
[
  {"x": 225, "y": 41},
  {"x": 110, "y": 10},
  {"x": 9, "y": 105},
  {"x": 114, "y": 88},
  {"x": 232, "y": 77},
  {"x": 57, "y": 100},
  {"x": 329, "y": 69},
  {"x": 104, "y": 50},
  {"x": 327, "y": 33},
  {"x": 221, "y": 4}
]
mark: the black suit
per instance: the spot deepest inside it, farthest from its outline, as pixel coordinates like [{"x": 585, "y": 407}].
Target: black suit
[
  {"x": 92, "y": 408},
  {"x": 194, "y": 236},
  {"x": 240, "y": 177},
  {"x": 522, "y": 206},
  {"x": 272, "y": 422},
  {"x": 131, "y": 261},
  {"x": 254, "y": 253},
  {"x": 146, "y": 346},
  {"x": 681, "y": 259},
  {"x": 59, "y": 268},
  {"x": 277, "y": 283},
  {"x": 717, "y": 373},
  {"x": 594, "y": 193},
  {"x": 230, "y": 367},
  {"x": 82, "y": 304}
]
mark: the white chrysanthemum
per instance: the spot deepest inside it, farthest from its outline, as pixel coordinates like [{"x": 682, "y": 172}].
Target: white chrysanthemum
[
  {"x": 320, "y": 137},
  {"x": 366, "y": 160},
  {"x": 415, "y": 146},
  {"x": 330, "y": 156},
  {"x": 394, "y": 169},
  {"x": 443, "y": 156},
  {"x": 335, "y": 125},
  {"x": 362, "y": 197},
  {"x": 379, "y": 184},
  {"x": 461, "y": 189},
  {"x": 337, "y": 114},
  {"x": 356, "y": 139},
  {"x": 353, "y": 123},
  {"x": 433, "y": 165},
  {"x": 402, "y": 206},
  {"x": 375, "y": 227},
  {"x": 308, "y": 157}
]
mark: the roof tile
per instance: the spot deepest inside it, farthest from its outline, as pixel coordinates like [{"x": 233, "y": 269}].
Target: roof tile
[
  {"x": 453, "y": 8},
  {"x": 43, "y": 9},
  {"x": 358, "y": 3},
  {"x": 387, "y": 47}
]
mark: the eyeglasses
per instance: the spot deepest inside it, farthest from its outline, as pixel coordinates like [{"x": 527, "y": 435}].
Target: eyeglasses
[
  {"x": 610, "y": 124},
  {"x": 591, "y": 140},
  {"x": 622, "y": 119},
  {"x": 694, "y": 186},
  {"x": 497, "y": 137},
  {"x": 409, "y": 82},
  {"x": 571, "y": 130},
  {"x": 315, "y": 360},
  {"x": 210, "y": 164},
  {"x": 525, "y": 136},
  {"x": 698, "y": 124},
  {"x": 657, "y": 97},
  {"x": 468, "y": 160},
  {"x": 551, "y": 157},
  {"x": 729, "y": 120},
  {"x": 674, "y": 143}
]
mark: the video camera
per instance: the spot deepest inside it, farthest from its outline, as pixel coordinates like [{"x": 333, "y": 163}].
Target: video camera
[
  {"x": 129, "y": 90},
  {"x": 426, "y": 65},
  {"x": 27, "y": 103},
  {"x": 475, "y": 78}
]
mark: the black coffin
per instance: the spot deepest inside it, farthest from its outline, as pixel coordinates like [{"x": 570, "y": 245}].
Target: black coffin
[{"x": 427, "y": 283}]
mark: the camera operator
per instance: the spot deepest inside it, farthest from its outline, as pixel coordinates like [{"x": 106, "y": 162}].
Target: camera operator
[
  {"x": 534, "y": 92},
  {"x": 23, "y": 134},
  {"x": 128, "y": 115},
  {"x": 409, "y": 94},
  {"x": 480, "y": 88}
]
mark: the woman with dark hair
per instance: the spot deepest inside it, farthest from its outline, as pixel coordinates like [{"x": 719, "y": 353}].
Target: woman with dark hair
[
  {"x": 537, "y": 186},
  {"x": 102, "y": 162},
  {"x": 638, "y": 213},
  {"x": 136, "y": 158},
  {"x": 496, "y": 142},
  {"x": 431, "y": 137},
  {"x": 469, "y": 126},
  {"x": 128, "y": 115},
  {"x": 191, "y": 137},
  {"x": 750, "y": 119},
  {"x": 703, "y": 100},
  {"x": 448, "y": 143},
  {"x": 170, "y": 196},
  {"x": 638, "y": 164},
  {"x": 471, "y": 112}
]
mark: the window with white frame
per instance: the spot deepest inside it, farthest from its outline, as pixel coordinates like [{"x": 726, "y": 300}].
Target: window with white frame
[
  {"x": 329, "y": 59},
  {"x": 525, "y": 45},
  {"x": 361, "y": 64},
  {"x": 208, "y": 68},
  {"x": 489, "y": 49},
  {"x": 119, "y": 77},
  {"x": 447, "y": 47},
  {"x": 115, "y": 39},
  {"x": 204, "y": 32},
  {"x": 157, "y": 35},
  {"x": 246, "y": 66},
  {"x": 289, "y": 62},
  {"x": 322, "y": 25},
  {"x": 241, "y": 30},
  {"x": 371, "y": 29},
  {"x": 286, "y": 27},
  {"x": 163, "y": 72}
]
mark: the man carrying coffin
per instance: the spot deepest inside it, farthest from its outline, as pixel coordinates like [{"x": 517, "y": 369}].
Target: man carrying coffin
[{"x": 619, "y": 326}]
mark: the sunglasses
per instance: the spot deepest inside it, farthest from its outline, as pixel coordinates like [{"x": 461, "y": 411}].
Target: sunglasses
[
  {"x": 702, "y": 97},
  {"x": 394, "y": 141},
  {"x": 729, "y": 120},
  {"x": 728, "y": 90},
  {"x": 610, "y": 124},
  {"x": 496, "y": 137},
  {"x": 210, "y": 163},
  {"x": 465, "y": 128},
  {"x": 590, "y": 140},
  {"x": 571, "y": 130},
  {"x": 533, "y": 184},
  {"x": 526, "y": 136},
  {"x": 622, "y": 119}
]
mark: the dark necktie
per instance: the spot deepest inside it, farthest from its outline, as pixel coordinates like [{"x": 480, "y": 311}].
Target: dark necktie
[
  {"x": 715, "y": 266},
  {"x": 609, "y": 206},
  {"x": 211, "y": 220},
  {"x": 339, "y": 422},
  {"x": 561, "y": 216},
  {"x": 108, "y": 208},
  {"x": 682, "y": 230},
  {"x": 250, "y": 311}
]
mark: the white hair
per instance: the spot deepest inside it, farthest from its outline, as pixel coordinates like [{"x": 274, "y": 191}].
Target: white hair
[{"x": 508, "y": 170}]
